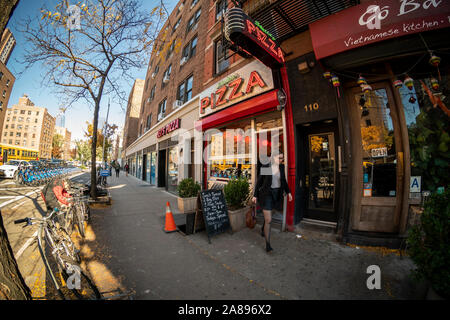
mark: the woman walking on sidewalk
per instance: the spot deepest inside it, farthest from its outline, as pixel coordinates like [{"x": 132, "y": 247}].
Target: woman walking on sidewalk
[
  {"x": 127, "y": 168},
  {"x": 269, "y": 192}
]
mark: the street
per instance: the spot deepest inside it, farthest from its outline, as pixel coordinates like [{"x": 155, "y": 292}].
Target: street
[{"x": 128, "y": 255}]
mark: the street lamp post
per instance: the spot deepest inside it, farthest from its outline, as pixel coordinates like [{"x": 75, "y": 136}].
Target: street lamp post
[{"x": 104, "y": 134}]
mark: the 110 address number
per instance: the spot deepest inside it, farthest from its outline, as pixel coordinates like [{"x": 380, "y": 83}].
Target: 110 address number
[{"x": 312, "y": 107}]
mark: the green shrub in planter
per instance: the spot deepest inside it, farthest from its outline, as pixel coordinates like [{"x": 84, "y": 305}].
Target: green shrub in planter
[
  {"x": 188, "y": 188},
  {"x": 236, "y": 193},
  {"x": 429, "y": 244}
]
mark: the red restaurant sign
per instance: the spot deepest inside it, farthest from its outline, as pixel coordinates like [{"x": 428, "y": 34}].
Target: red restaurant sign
[
  {"x": 172, "y": 126},
  {"x": 251, "y": 80},
  {"x": 375, "y": 21}
]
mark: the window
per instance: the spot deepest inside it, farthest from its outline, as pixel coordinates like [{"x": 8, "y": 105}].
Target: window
[
  {"x": 8, "y": 82},
  {"x": 184, "y": 92},
  {"x": 19, "y": 127},
  {"x": 22, "y": 111},
  {"x": 194, "y": 2},
  {"x": 10, "y": 141},
  {"x": 156, "y": 69},
  {"x": 149, "y": 122},
  {"x": 29, "y": 113},
  {"x": 152, "y": 93},
  {"x": 162, "y": 109},
  {"x": 6, "y": 134},
  {"x": 18, "y": 134},
  {"x": 11, "y": 134},
  {"x": 177, "y": 24},
  {"x": 37, "y": 113},
  {"x": 221, "y": 8},
  {"x": 7, "y": 119},
  {"x": 6, "y": 127},
  {"x": 4, "y": 94},
  {"x": 221, "y": 63},
  {"x": 190, "y": 49},
  {"x": 167, "y": 73},
  {"x": 193, "y": 21},
  {"x": 35, "y": 120},
  {"x": 13, "y": 126},
  {"x": 170, "y": 51},
  {"x": 1, "y": 75}
]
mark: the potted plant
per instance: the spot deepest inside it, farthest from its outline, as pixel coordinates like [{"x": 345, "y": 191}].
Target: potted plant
[
  {"x": 429, "y": 245},
  {"x": 236, "y": 196},
  {"x": 188, "y": 190}
]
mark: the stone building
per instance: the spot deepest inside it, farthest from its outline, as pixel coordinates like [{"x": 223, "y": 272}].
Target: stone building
[
  {"x": 130, "y": 130},
  {"x": 29, "y": 126}
]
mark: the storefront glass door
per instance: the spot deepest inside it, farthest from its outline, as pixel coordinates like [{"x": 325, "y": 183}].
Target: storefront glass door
[
  {"x": 152, "y": 174},
  {"x": 322, "y": 172},
  {"x": 378, "y": 161},
  {"x": 172, "y": 170}
]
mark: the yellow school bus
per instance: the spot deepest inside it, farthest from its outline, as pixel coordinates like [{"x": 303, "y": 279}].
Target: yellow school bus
[{"x": 9, "y": 152}]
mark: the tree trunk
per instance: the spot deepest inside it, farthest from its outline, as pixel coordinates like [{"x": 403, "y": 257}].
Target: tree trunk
[
  {"x": 12, "y": 285},
  {"x": 94, "y": 152}
]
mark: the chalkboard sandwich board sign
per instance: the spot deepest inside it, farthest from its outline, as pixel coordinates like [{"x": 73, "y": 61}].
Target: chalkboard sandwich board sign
[{"x": 214, "y": 212}]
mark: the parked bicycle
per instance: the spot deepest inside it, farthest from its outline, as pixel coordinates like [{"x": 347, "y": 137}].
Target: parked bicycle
[{"x": 66, "y": 256}]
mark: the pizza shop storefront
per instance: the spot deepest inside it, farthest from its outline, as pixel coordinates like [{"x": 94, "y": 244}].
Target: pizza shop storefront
[
  {"x": 372, "y": 118},
  {"x": 245, "y": 117}
]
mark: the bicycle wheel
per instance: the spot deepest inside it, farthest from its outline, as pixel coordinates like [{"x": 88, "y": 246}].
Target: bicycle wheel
[
  {"x": 66, "y": 243},
  {"x": 68, "y": 220},
  {"x": 78, "y": 282},
  {"x": 81, "y": 223}
]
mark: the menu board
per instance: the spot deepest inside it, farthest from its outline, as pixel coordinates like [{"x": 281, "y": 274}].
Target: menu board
[{"x": 215, "y": 212}]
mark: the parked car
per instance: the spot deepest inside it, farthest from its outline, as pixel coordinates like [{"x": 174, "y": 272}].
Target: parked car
[{"x": 8, "y": 170}]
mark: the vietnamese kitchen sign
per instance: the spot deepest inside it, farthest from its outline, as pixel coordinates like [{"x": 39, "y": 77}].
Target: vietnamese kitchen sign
[
  {"x": 172, "y": 126},
  {"x": 251, "y": 80},
  {"x": 375, "y": 21}
]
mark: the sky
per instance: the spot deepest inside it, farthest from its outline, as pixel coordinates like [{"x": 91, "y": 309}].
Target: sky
[{"x": 30, "y": 81}]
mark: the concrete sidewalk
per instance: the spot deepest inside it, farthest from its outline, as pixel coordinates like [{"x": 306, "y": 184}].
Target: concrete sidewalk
[{"x": 156, "y": 265}]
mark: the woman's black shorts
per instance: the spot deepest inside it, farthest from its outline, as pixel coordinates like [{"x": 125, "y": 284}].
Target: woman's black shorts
[{"x": 272, "y": 200}]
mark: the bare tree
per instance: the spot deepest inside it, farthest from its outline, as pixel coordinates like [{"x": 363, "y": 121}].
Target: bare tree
[{"x": 88, "y": 49}]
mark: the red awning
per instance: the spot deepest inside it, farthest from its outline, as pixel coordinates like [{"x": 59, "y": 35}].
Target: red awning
[{"x": 260, "y": 104}]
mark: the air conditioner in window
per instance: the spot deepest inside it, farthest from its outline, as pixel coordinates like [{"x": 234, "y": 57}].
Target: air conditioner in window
[
  {"x": 153, "y": 75},
  {"x": 177, "y": 104},
  {"x": 166, "y": 78},
  {"x": 160, "y": 116},
  {"x": 183, "y": 61}
]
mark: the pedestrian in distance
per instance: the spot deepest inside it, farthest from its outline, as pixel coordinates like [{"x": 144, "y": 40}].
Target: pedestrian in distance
[
  {"x": 117, "y": 170},
  {"x": 269, "y": 190},
  {"x": 127, "y": 169}
]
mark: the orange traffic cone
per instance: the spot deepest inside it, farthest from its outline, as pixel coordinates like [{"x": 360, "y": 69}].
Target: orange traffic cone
[{"x": 170, "y": 222}]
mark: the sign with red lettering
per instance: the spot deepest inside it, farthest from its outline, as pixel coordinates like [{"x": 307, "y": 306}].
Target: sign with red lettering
[
  {"x": 252, "y": 38},
  {"x": 172, "y": 126},
  {"x": 251, "y": 80},
  {"x": 376, "y": 21}
]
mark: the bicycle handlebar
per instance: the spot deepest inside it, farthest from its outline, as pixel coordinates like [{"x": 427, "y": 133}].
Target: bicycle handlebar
[{"x": 22, "y": 221}]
